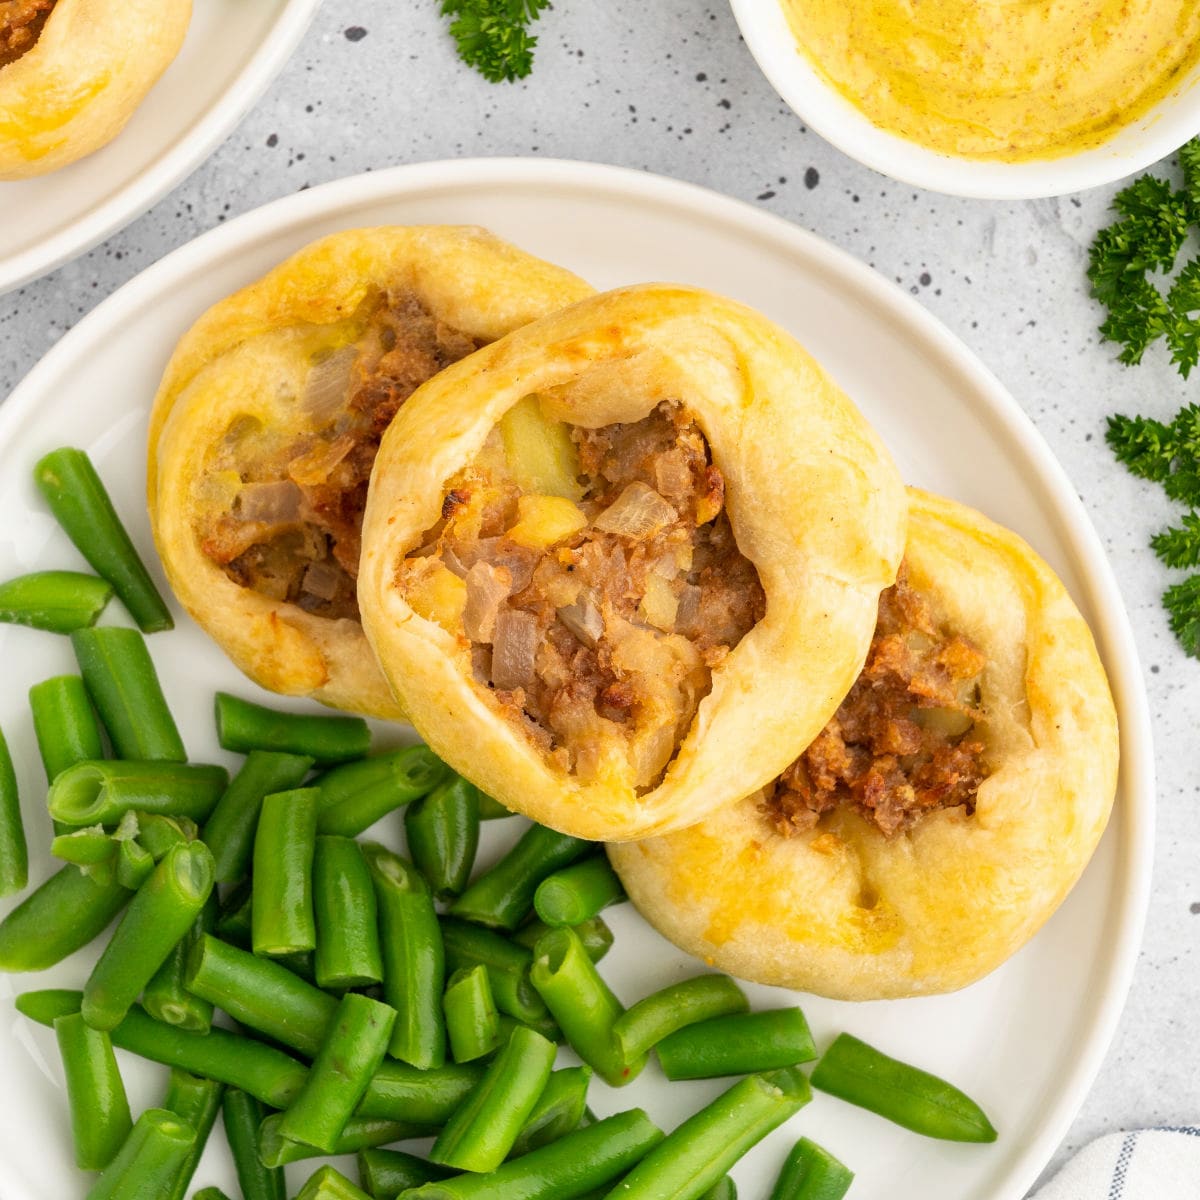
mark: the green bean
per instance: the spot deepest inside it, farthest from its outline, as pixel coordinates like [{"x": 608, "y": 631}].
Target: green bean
[
  {"x": 234, "y": 919},
  {"x": 157, "y": 833},
  {"x": 100, "y": 1119},
  {"x": 48, "y": 1004},
  {"x": 243, "y": 726},
  {"x": 385, "y": 1173},
  {"x": 582, "y": 1003},
  {"x": 399, "y": 1092},
  {"x": 14, "y": 855},
  {"x": 65, "y": 913},
  {"x": 723, "y": 1189},
  {"x": 442, "y": 831},
  {"x": 578, "y": 893},
  {"x": 595, "y": 935},
  {"x": 196, "y": 1101},
  {"x": 357, "y": 794},
  {"x": 854, "y": 1071},
  {"x": 148, "y": 1160},
  {"x": 508, "y": 966},
  {"x": 167, "y": 997},
  {"x": 693, "y": 1158},
  {"x": 491, "y": 809},
  {"x": 161, "y": 913},
  {"x": 341, "y": 1071},
  {"x": 282, "y": 920},
  {"x": 64, "y": 723},
  {"x": 328, "y": 1184},
  {"x": 68, "y": 481},
  {"x": 482, "y": 1131},
  {"x": 546, "y": 1026},
  {"x": 737, "y": 1045},
  {"x": 229, "y": 830},
  {"x": 91, "y": 793},
  {"x": 124, "y": 687},
  {"x": 472, "y": 1024},
  {"x": 414, "y": 969},
  {"x": 210, "y": 1193},
  {"x": 558, "y": 1111},
  {"x": 87, "y": 847},
  {"x": 134, "y": 865},
  {"x": 56, "y": 601},
  {"x": 681, "y": 1004},
  {"x": 261, "y": 994},
  {"x": 243, "y": 1115},
  {"x": 572, "y": 1167},
  {"x": 360, "y": 1133},
  {"x": 348, "y": 952},
  {"x": 503, "y": 896},
  {"x": 811, "y": 1173}
]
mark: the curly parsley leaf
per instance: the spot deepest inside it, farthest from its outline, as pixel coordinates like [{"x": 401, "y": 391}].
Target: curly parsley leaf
[
  {"x": 1182, "y": 602},
  {"x": 1179, "y": 546},
  {"x": 1189, "y": 161},
  {"x": 493, "y": 35},
  {"x": 1144, "y": 445}
]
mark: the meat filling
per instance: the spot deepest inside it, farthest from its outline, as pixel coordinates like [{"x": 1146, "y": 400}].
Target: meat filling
[
  {"x": 905, "y": 742},
  {"x": 596, "y": 619},
  {"x": 21, "y": 23},
  {"x": 293, "y": 530}
]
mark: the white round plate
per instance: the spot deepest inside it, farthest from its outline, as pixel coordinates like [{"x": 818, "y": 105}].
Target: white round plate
[
  {"x": 233, "y": 49},
  {"x": 1027, "y": 1041}
]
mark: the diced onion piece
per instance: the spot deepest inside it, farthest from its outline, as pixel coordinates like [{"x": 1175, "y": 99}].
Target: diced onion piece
[
  {"x": 317, "y": 465},
  {"x": 583, "y": 619},
  {"x": 514, "y": 649},
  {"x": 638, "y": 512},
  {"x": 437, "y": 594},
  {"x": 658, "y": 606},
  {"x": 687, "y": 607},
  {"x": 539, "y": 452},
  {"x": 487, "y": 587},
  {"x": 544, "y": 520},
  {"x": 327, "y": 388},
  {"x": 275, "y": 503}
]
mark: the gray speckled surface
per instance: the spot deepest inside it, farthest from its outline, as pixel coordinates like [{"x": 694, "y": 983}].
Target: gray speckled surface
[{"x": 670, "y": 87}]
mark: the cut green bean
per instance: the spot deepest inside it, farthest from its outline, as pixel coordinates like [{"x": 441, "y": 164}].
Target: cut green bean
[
  {"x": 166, "y": 997},
  {"x": 737, "y": 1045},
  {"x": 353, "y": 1051},
  {"x": 414, "y": 969},
  {"x": 91, "y": 793},
  {"x": 694, "y": 1157},
  {"x": 157, "y": 833},
  {"x": 723, "y": 1189},
  {"x": 243, "y": 1115},
  {"x": 480, "y": 1134},
  {"x": 854, "y": 1071},
  {"x": 673, "y": 1008},
  {"x": 243, "y": 726},
  {"x": 124, "y": 687},
  {"x": 348, "y": 952},
  {"x": 72, "y": 488},
  {"x": 56, "y": 601},
  {"x": 385, "y": 1173},
  {"x": 85, "y": 847},
  {"x": 64, "y": 724},
  {"x": 357, "y": 794},
  {"x": 595, "y": 935},
  {"x": 399, "y": 1092},
  {"x": 196, "y": 1101},
  {"x": 582, "y": 1004},
  {"x": 148, "y": 1160},
  {"x": 134, "y": 865},
  {"x": 573, "y": 1167},
  {"x": 234, "y": 919},
  {"x": 559, "y": 1110},
  {"x": 210, "y": 1193},
  {"x": 282, "y": 920},
  {"x": 502, "y": 897},
  {"x": 811, "y": 1173},
  {"x": 508, "y": 966},
  {"x": 326, "y": 1183},
  {"x": 260, "y": 994},
  {"x": 48, "y": 1004},
  {"x": 14, "y": 854},
  {"x": 442, "y": 831},
  {"x": 65, "y": 913},
  {"x": 577, "y": 893},
  {"x": 100, "y": 1118},
  {"x": 359, "y": 1133},
  {"x": 546, "y": 1026},
  {"x": 491, "y": 809},
  {"x": 472, "y": 1023},
  {"x": 229, "y": 830}
]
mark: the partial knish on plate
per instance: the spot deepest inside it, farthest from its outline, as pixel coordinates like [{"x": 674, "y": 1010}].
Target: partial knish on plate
[{"x": 1025, "y": 1042}]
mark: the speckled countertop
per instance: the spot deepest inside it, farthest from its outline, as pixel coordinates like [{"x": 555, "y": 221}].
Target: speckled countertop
[{"x": 669, "y": 87}]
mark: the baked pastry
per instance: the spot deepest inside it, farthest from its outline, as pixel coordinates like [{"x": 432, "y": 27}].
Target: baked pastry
[
  {"x": 73, "y": 71},
  {"x": 939, "y": 818},
  {"x": 266, "y": 424},
  {"x": 621, "y": 565}
]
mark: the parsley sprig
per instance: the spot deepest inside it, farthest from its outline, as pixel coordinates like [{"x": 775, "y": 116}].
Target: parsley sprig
[
  {"x": 1156, "y": 218},
  {"x": 493, "y": 35}
]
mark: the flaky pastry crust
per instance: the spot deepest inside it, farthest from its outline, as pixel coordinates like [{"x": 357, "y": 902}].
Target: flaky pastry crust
[
  {"x": 842, "y": 910},
  {"x": 813, "y": 498}
]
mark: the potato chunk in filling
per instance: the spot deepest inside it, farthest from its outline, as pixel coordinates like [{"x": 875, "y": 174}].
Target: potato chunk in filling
[
  {"x": 21, "y": 23},
  {"x": 289, "y": 502},
  {"x": 906, "y": 740},
  {"x": 597, "y": 608}
]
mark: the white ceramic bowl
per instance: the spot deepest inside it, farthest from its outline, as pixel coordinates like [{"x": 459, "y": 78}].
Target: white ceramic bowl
[{"x": 1152, "y": 137}]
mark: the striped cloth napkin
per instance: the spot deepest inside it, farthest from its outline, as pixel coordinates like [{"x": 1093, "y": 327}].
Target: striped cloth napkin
[{"x": 1147, "y": 1164}]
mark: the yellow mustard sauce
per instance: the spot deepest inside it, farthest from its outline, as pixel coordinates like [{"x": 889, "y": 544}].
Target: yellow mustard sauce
[{"x": 1009, "y": 80}]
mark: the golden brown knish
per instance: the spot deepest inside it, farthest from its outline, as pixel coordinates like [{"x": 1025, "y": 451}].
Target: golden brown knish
[
  {"x": 267, "y": 420},
  {"x": 73, "y": 73},
  {"x": 623, "y": 564},
  {"x": 831, "y": 903}
]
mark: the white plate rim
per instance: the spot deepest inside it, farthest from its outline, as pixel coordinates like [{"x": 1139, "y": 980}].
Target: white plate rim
[
  {"x": 146, "y": 188},
  {"x": 1112, "y": 626}
]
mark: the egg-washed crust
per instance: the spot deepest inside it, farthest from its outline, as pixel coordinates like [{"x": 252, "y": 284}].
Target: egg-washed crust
[
  {"x": 845, "y": 912},
  {"x": 815, "y": 504},
  {"x": 234, "y": 360},
  {"x": 75, "y": 88}
]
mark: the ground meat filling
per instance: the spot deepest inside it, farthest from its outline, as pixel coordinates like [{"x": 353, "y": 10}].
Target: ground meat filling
[
  {"x": 905, "y": 741},
  {"x": 293, "y": 531},
  {"x": 601, "y": 642},
  {"x": 21, "y": 23}
]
